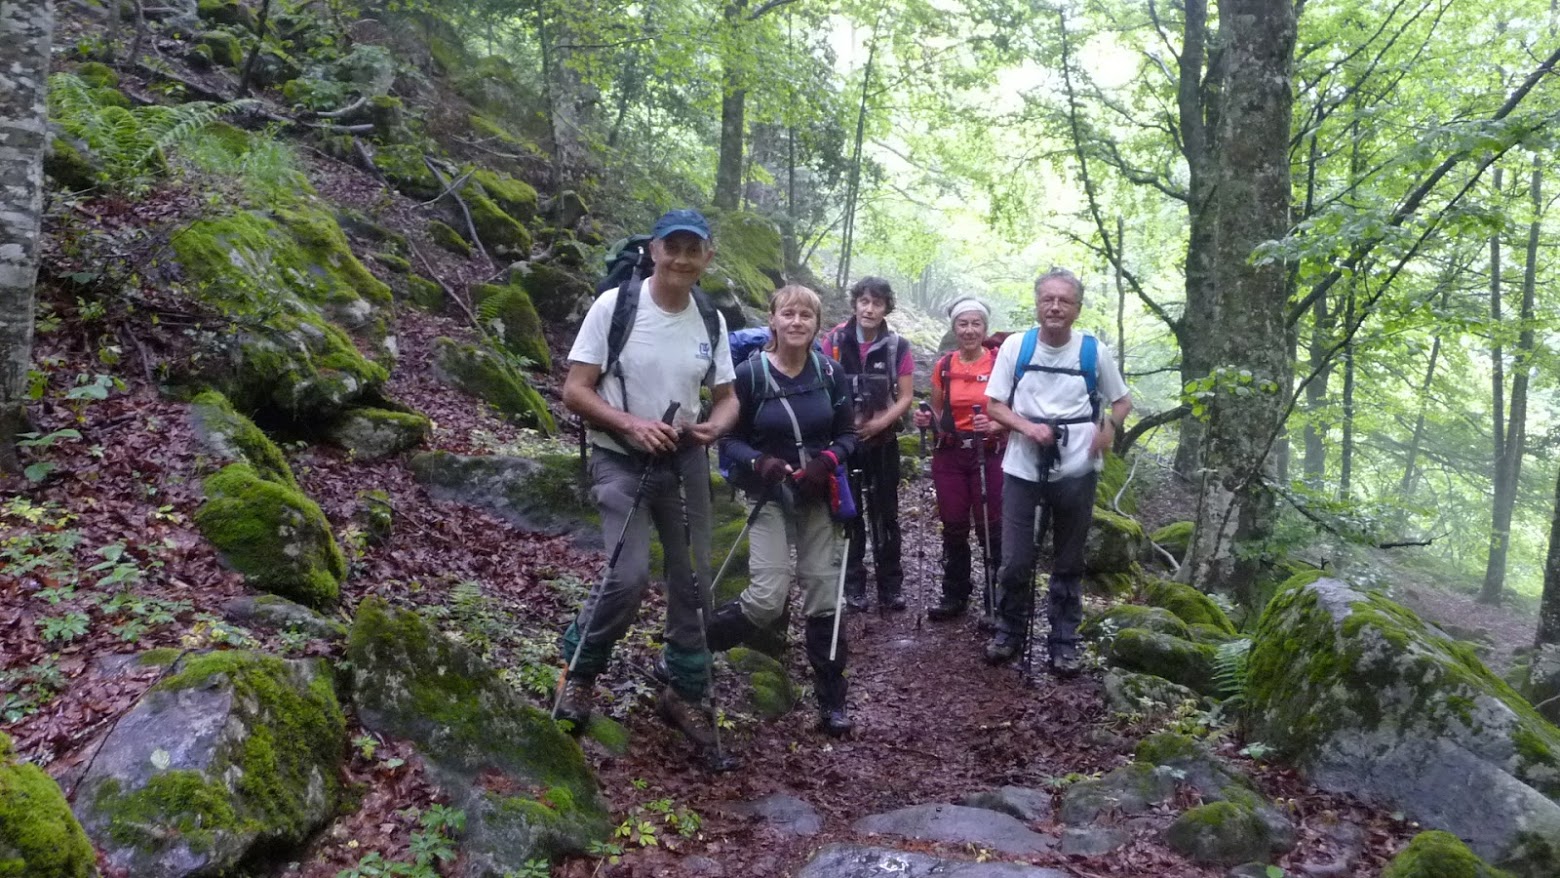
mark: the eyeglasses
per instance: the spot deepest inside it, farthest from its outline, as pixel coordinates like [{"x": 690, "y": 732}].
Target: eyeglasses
[{"x": 1048, "y": 301}]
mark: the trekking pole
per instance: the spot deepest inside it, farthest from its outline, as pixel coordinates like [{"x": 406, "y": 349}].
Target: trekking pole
[
  {"x": 588, "y": 611},
  {"x": 921, "y": 587},
  {"x": 716, "y": 761},
  {"x": 1042, "y": 523},
  {"x": 985, "y": 521},
  {"x": 839, "y": 600},
  {"x": 746, "y": 526}
]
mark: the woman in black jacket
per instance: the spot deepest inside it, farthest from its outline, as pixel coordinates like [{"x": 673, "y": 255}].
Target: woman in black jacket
[{"x": 794, "y": 429}]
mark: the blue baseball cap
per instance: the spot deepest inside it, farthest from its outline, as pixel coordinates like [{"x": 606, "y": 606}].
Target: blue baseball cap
[{"x": 681, "y": 221}]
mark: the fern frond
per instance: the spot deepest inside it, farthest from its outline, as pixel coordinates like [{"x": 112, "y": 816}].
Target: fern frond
[
  {"x": 1230, "y": 666},
  {"x": 183, "y": 122}
]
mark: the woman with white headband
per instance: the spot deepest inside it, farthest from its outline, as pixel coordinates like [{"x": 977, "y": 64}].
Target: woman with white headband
[{"x": 967, "y": 462}]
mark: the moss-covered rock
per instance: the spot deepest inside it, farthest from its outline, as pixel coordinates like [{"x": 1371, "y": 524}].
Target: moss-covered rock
[
  {"x": 1437, "y": 854},
  {"x": 770, "y": 693},
  {"x": 540, "y": 494},
  {"x": 1116, "y": 619},
  {"x": 446, "y": 236},
  {"x": 229, "y": 437},
  {"x": 555, "y": 292},
  {"x": 1187, "y": 603},
  {"x": 513, "y": 318},
  {"x": 361, "y": 226},
  {"x": 233, "y": 756},
  {"x": 98, "y": 75},
  {"x": 1131, "y": 789},
  {"x": 749, "y": 257},
  {"x": 1175, "y": 537},
  {"x": 292, "y": 287},
  {"x": 279, "y": 614},
  {"x": 394, "y": 263},
  {"x": 1114, "y": 543},
  {"x": 515, "y": 197},
  {"x": 402, "y": 164},
  {"x": 273, "y": 534},
  {"x": 1218, "y": 834},
  {"x": 69, "y": 164},
  {"x": 490, "y": 377},
  {"x": 424, "y": 293},
  {"x": 1113, "y": 477},
  {"x": 227, "y": 12},
  {"x": 376, "y": 515},
  {"x": 1165, "y": 655},
  {"x": 222, "y": 48},
  {"x": 501, "y": 233},
  {"x": 1128, "y": 692},
  {"x": 497, "y": 88},
  {"x": 1364, "y": 698},
  {"x": 413, "y": 683},
  {"x": 1540, "y": 676},
  {"x": 39, "y": 836},
  {"x": 369, "y": 433}
]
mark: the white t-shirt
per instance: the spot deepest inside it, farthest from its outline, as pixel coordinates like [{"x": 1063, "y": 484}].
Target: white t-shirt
[
  {"x": 1048, "y": 395},
  {"x": 665, "y": 359}
]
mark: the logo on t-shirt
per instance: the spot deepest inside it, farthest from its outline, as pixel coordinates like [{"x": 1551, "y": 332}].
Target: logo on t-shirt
[{"x": 704, "y": 351}]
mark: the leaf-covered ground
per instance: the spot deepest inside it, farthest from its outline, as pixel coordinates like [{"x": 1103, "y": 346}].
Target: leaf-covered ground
[{"x": 101, "y": 560}]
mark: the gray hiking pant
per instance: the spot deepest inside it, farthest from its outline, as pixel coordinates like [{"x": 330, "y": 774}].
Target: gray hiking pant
[
  {"x": 1070, "y": 510},
  {"x": 612, "y": 608}
]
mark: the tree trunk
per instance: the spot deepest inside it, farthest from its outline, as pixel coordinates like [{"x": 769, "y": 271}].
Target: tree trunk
[
  {"x": 1410, "y": 479},
  {"x": 1121, "y": 297},
  {"x": 1544, "y": 672},
  {"x": 1346, "y": 451},
  {"x": 1197, "y": 106},
  {"x": 1235, "y": 507},
  {"x": 26, "y": 32},
  {"x": 1516, "y": 427},
  {"x": 1498, "y": 444},
  {"x": 728, "y": 169},
  {"x": 853, "y": 190}
]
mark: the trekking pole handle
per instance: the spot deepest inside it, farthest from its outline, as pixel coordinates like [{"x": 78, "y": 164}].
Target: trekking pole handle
[{"x": 671, "y": 412}]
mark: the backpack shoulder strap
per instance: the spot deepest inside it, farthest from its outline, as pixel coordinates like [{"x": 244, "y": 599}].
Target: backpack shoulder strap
[
  {"x": 1088, "y": 364},
  {"x": 624, "y": 312},
  {"x": 1026, "y": 352},
  {"x": 711, "y": 316}
]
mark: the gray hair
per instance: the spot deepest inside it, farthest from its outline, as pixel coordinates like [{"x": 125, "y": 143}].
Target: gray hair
[{"x": 1063, "y": 274}]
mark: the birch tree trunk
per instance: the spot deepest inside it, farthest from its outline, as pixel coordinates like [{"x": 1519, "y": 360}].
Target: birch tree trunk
[
  {"x": 26, "y": 32},
  {"x": 1254, "y": 363}
]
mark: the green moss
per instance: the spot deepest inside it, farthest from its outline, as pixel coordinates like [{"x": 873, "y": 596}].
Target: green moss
[
  {"x": 501, "y": 233},
  {"x": 226, "y": 12},
  {"x": 236, "y": 438},
  {"x": 1192, "y": 606},
  {"x": 402, "y": 164},
  {"x": 184, "y": 803},
  {"x": 1112, "y": 476},
  {"x": 1117, "y": 585},
  {"x": 393, "y": 262},
  {"x": 329, "y": 255},
  {"x": 514, "y": 197},
  {"x": 609, "y": 733},
  {"x": 295, "y": 739},
  {"x": 1219, "y": 833},
  {"x": 159, "y": 658},
  {"x": 39, "y": 836},
  {"x": 1165, "y": 747},
  {"x": 748, "y": 255},
  {"x": 489, "y": 376},
  {"x": 770, "y": 692},
  {"x": 1124, "y": 616},
  {"x": 424, "y": 293},
  {"x": 1164, "y": 655},
  {"x": 98, "y": 75},
  {"x": 514, "y": 318},
  {"x": 1175, "y": 537},
  {"x": 223, "y": 48},
  {"x": 555, "y": 292},
  {"x": 274, "y": 535},
  {"x": 370, "y": 433},
  {"x": 66, "y": 165},
  {"x": 423, "y": 686},
  {"x": 1439, "y": 854},
  {"x": 448, "y": 238}
]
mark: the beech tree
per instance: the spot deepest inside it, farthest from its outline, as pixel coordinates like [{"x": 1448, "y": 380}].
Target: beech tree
[{"x": 26, "y": 32}]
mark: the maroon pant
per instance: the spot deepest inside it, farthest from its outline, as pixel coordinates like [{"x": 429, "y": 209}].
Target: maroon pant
[{"x": 956, "y": 475}]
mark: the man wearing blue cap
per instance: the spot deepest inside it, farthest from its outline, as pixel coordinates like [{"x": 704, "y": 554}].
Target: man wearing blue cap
[{"x": 625, "y": 369}]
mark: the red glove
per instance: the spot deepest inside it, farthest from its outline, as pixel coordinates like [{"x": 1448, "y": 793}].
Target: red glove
[
  {"x": 770, "y": 470},
  {"x": 814, "y": 478}
]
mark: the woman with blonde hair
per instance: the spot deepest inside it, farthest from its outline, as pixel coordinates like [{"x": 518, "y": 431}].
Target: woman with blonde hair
[{"x": 794, "y": 427}]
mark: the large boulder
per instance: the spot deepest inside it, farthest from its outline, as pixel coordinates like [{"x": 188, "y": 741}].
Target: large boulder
[
  {"x": 39, "y": 836},
  {"x": 1437, "y": 854},
  {"x": 293, "y": 290},
  {"x": 234, "y": 756},
  {"x": 1188, "y": 604},
  {"x": 858, "y": 861},
  {"x": 508, "y": 310},
  {"x": 523, "y": 783},
  {"x": 1176, "y": 659},
  {"x": 370, "y": 433},
  {"x": 556, "y": 293},
  {"x": 1114, "y": 543},
  {"x": 229, "y": 437},
  {"x": 272, "y": 534},
  {"x": 749, "y": 259},
  {"x": 491, "y": 377},
  {"x": 1362, "y": 697},
  {"x": 537, "y": 494}
]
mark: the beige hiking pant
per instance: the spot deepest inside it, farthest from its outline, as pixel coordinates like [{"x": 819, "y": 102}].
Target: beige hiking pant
[{"x": 818, "y": 548}]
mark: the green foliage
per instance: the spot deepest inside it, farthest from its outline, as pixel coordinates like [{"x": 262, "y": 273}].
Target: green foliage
[
  {"x": 1230, "y": 664},
  {"x": 130, "y": 143},
  {"x": 39, "y": 836},
  {"x": 430, "y": 848}
]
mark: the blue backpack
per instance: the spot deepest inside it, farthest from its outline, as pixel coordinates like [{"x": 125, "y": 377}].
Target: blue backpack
[{"x": 1088, "y": 368}]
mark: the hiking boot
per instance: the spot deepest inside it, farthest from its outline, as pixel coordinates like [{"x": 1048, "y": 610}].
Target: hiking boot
[
  {"x": 659, "y": 671},
  {"x": 856, "y": 599},
  {"x": 833, "y": 722},
  {"x": 1003, "y": 648},
  {"x": 579, "y": 700},
  {"x": 948, "y": 608},
  {"x": 689, "y": 717},
  {"x": 1065, "y": 664},
  {"x": 728, "y": 627},
  {"x": 891, "y": 600}
]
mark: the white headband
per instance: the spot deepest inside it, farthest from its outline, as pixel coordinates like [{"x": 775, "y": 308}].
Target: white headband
[{"x": 963, "y": 305}]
